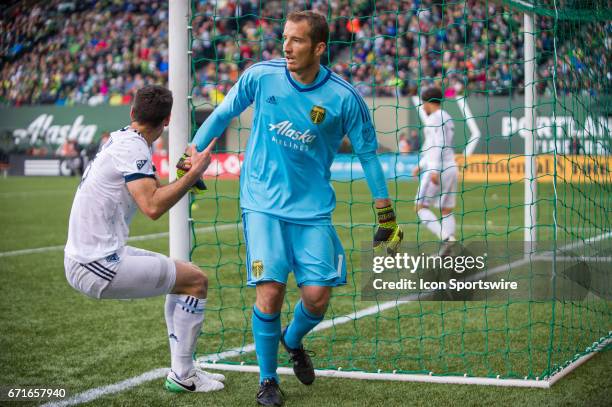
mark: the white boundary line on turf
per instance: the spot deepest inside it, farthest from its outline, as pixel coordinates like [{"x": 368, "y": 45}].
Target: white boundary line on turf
[
  {"x": 13, "y": 194},
  {"x": 225, "y": 226},
  {"x": 98, "y": 392},
  {"x": 550, "y": 257},
  {"x": 154, "y": 374},
  {"x": 239, "y": 225},
  {"x": 130, "y": 239},
  {"x": 198, "y": 230}
]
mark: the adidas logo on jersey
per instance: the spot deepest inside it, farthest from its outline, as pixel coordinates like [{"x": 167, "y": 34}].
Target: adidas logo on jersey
[
  {"x": 113, "y": 258},
  {"x": 272, "y": 100},
  {"x": 284, "y": 128}
]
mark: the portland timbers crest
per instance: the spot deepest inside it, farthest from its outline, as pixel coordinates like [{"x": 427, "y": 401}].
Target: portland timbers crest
[
  {"x": 317, "y": 114},
  {"x": 257, "y": 268}
]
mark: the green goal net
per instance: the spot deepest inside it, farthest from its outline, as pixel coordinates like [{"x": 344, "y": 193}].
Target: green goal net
[{"x": 390, "y": 51}]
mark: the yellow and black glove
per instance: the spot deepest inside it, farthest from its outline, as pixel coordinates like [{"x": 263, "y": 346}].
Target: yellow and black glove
[
  {"x": 181, "y": 169},
  {"x": 388, "y": 235}
]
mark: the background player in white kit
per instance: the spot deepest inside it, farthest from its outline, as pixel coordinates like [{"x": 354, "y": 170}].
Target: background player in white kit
[
  {"x": 100, "y": 265},
  {"x": 437, "y": 168}
]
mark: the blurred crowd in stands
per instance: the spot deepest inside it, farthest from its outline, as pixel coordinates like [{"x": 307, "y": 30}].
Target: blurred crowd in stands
[
  {"x": 100, "y": 51},
  {"x": 83, "y": 52}
]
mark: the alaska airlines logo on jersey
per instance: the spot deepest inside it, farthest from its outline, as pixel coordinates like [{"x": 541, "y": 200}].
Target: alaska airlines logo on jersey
[
  {"x": 141, "y": 163},
  {"x": 284, "y": 128},
  {"x": 317, "y": 114}
]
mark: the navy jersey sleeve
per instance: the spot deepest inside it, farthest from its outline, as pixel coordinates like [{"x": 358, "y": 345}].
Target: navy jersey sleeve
[{"x": 240, "y": 96}]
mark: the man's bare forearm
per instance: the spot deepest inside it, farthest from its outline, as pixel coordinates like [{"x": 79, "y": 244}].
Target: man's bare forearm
[{"x": 165, "y": 197}]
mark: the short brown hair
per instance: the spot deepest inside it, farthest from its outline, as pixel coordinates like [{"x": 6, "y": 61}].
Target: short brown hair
[
  {"x": 319, "y": 29},
  {"x": 152, "y": 105},
  {"x": 432, "y": 95}
]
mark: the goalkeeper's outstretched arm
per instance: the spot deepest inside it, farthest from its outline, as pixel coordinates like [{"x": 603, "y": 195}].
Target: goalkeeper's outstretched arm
[{"x": 240, "y": 96}]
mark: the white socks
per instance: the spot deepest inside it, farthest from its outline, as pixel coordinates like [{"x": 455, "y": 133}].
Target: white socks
[
  {"x": 184, "y": 318},
  {"x": 443, "y": 230},
  {"x": 448, "y": 226},
  {"x": 169, "y": 314},
  {"x": 428, "y": 218}
]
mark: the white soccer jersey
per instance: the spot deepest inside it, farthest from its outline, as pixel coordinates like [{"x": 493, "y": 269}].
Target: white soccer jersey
[
  {"x": 438, "y": 151},
  {"x": 103, "y": 207}
]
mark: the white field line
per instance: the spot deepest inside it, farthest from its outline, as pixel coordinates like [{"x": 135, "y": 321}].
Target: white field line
[
  {"x": 226, "y": 226},
  {"x": 415, "y": 225},
  {"x": 31, "y": 251},
  {"x": 98, "y": 392},
  {"x": 594, "y": 259},
  {"x": 467, "y": 226},
  {"x": 209, "y": 360},
  {"x": 140, "y": 238},
  {"x": 208, "y": 229},
  {"x": 16, "y": 194}
]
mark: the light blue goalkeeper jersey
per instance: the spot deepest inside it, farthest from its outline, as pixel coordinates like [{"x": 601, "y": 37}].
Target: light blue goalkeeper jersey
[{"x": 295, "y": 135}]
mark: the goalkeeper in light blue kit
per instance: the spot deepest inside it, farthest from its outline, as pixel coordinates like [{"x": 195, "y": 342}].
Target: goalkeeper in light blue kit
[{"x": 302, "y": 112}]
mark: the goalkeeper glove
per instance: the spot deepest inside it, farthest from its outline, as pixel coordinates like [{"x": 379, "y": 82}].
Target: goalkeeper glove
[
  {"x": 388, "y": 235},
  {"x": 181, "y": 169}
]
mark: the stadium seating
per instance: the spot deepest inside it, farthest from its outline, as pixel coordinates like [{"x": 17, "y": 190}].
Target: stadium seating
[{"x": 98, "y": 52}]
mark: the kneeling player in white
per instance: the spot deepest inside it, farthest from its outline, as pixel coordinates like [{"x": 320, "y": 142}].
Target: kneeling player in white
[
  {"x": 437, "y": 168},
  {"x": 100, "y": 265}
]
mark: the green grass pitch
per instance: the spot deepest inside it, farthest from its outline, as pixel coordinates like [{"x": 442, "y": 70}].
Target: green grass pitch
[{"x": 52, "y": 335}]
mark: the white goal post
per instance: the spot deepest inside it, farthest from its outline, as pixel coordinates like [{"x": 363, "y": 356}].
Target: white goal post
[{"x": 179, "y": 81}]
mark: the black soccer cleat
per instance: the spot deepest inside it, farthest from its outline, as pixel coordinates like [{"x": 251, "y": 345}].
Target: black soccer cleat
[
  {"x": 302, "y": 365},
  {"x": 269, "y": 393}
]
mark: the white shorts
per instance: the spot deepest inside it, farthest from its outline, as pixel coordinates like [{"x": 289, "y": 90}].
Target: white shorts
[
  {"x": 131, "y": 273},
  {"x": 441, "y": 195}
]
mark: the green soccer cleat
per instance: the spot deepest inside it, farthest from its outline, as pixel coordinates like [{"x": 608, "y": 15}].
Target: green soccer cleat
[{"x": 197, "y": 382}]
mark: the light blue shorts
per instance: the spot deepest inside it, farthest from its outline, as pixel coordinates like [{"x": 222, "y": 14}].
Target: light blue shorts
[{"x": 276, "y": 247}]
